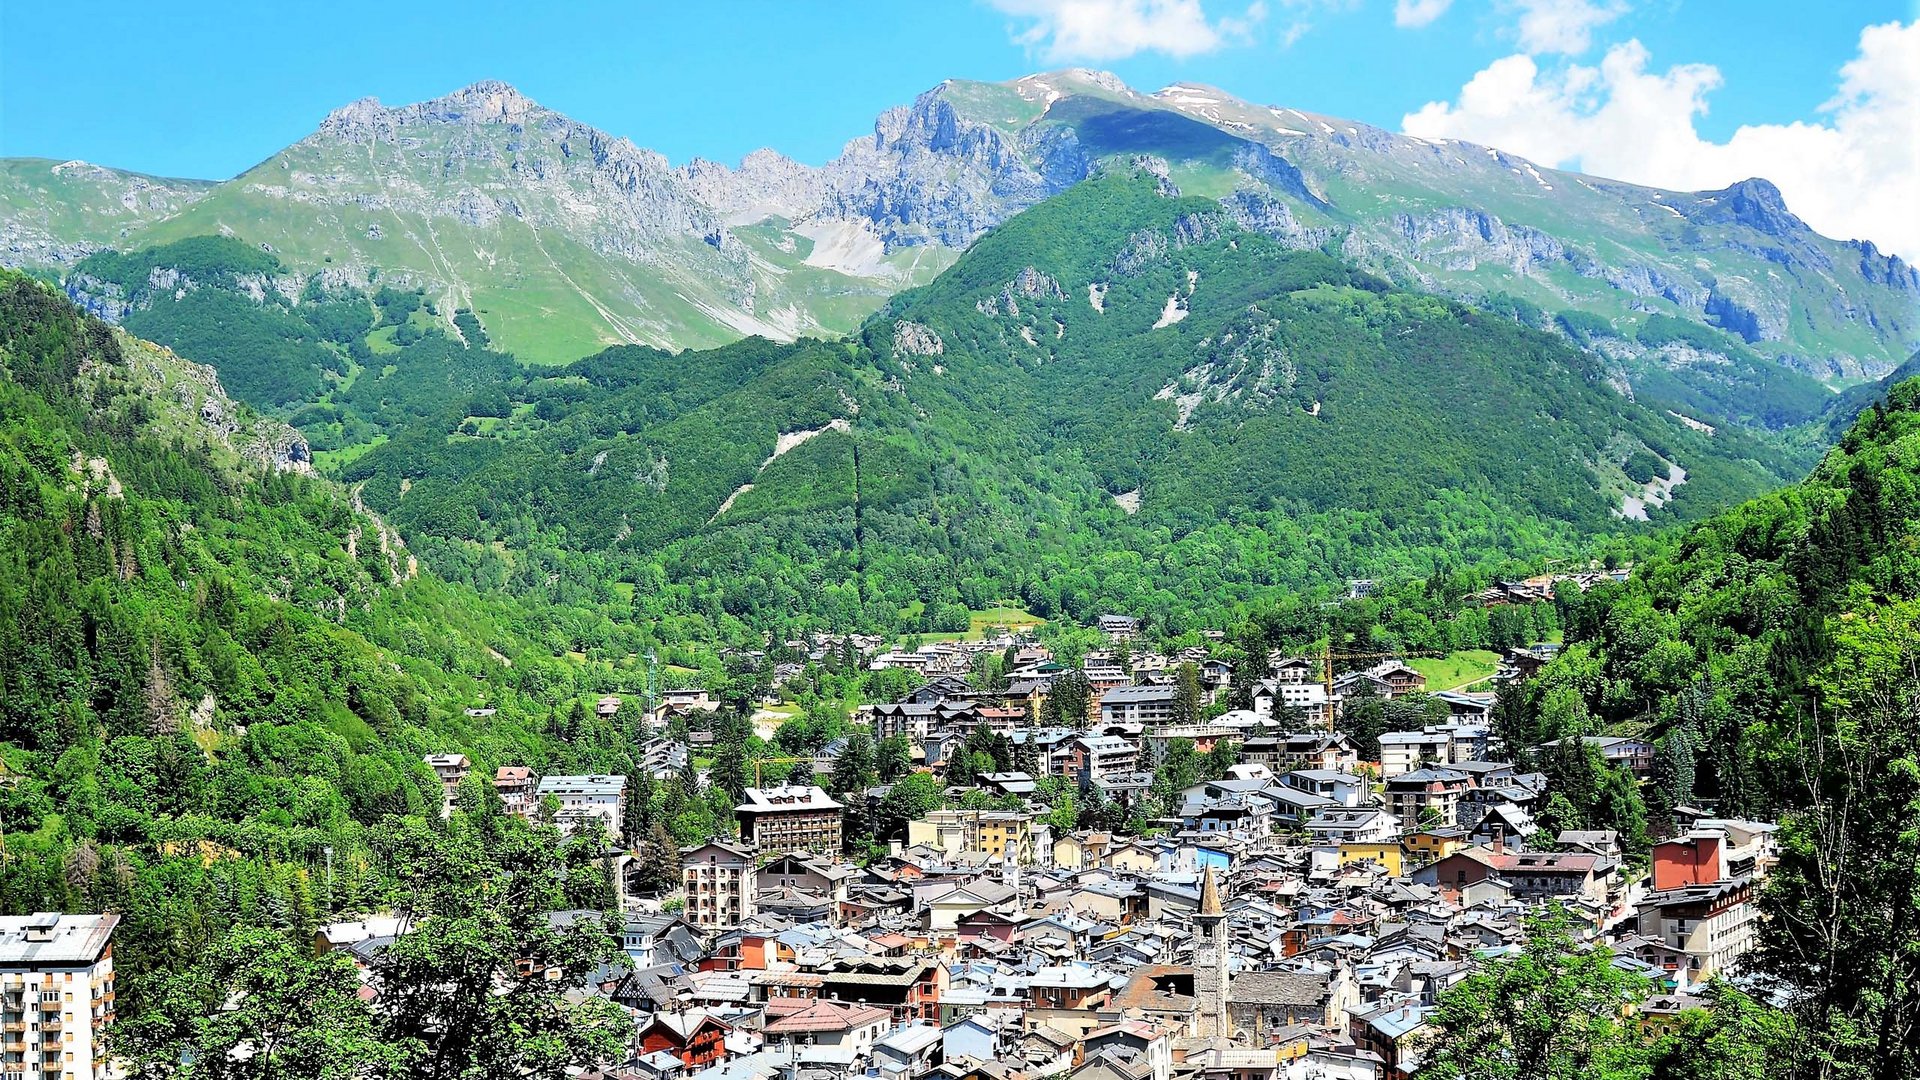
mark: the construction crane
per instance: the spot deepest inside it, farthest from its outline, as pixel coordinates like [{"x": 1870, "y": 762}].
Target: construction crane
[{"x": 1328, "y": 656}]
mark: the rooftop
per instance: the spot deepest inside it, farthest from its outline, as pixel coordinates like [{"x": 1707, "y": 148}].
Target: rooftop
[{"x": 51, "y": 939}]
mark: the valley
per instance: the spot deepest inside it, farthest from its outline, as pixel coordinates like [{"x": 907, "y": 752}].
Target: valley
[{"x": 1083, "y": 584}]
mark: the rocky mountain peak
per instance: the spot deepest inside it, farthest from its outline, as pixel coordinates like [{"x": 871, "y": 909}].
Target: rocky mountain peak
[
  {"x": 488, "y": 101},
  {"x": 1753, "y": 202}
]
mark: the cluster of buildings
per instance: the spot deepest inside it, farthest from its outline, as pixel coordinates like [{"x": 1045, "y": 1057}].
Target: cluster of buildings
[
  {"x": 1296, "y": 917},
  {"x": 986, "y": 946}
]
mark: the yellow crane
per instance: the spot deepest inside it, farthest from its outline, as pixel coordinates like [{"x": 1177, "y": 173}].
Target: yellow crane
[{"x": 1328, "y": 656}]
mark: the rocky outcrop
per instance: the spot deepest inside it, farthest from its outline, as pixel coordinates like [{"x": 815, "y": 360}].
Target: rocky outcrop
[
  {"x": 1754, "y": 203},
  {"x": 928, "y": 175},
  {"x": 914, "y": 339},
  {"x": 1462, "y": 238}
]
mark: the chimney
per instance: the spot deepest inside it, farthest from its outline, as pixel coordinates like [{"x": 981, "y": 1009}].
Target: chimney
[{"x": 1499, "y": 838}]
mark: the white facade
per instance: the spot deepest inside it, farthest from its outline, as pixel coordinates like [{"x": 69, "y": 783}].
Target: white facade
[
  {"x": 587, "y": 798},
  {"x": 56, "y": 993}
]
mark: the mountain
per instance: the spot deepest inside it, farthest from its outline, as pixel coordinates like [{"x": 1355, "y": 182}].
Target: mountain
[
  {"x": 54, "y": 213},
  {"x": 562, "y": 239},
  {"x": 1119, "y": 399}
]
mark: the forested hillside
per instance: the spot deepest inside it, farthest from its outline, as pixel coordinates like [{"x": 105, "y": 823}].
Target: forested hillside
[
  {"x": 1118, "y": 401},
  {"x": 1774, "y": 655},
  {"x": 214, "y": 671}
]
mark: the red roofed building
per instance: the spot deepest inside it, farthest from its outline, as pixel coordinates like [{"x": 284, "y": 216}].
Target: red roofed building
[{"x": 827, "y": 1023}]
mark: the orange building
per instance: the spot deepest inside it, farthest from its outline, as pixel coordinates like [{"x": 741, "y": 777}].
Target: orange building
[{"x": 1694, "y": 859}]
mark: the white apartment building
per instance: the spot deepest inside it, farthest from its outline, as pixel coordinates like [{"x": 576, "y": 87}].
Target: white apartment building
[
  {"x": 583, "y": 798},
  {"x": 56, "y": 994}
]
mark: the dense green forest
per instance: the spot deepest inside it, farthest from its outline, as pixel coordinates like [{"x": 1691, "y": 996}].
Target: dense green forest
[
  {"x": 1116, "y": 401},
  {"x": 1773, "y": 654},
  {"x": 1299, "y": 424},
  {"x": 213, "y": 685},
  {"x": 345, "y": 366}
]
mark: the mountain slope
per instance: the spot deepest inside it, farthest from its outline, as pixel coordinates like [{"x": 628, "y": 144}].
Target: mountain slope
[
  {"x": 1118, "y": 398},
  {"x": 218, "y": 674},
  {"x": 1472, "y": 221},
  {"x": 1770, "y": 655},
  {"x": 563, "y": 239},
  {"x": 53, "y": 213}
]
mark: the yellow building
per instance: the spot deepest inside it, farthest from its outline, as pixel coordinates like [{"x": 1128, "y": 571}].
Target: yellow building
[
  {"x": 1424, "y": 847},
  {"x": 1385, "y": 853},
  {"x": 1002, "y": 834}
]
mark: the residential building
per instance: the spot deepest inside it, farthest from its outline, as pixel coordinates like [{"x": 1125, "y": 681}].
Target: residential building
[
  {"x": 1633, "y": 755},
  {"x": 1411, "y": 794},
  {"x": 1093, "y": 757},
  {"x": 906, "y": 1051},
  {"x": 1276, "y": 700},
  {"x": 1532, "y": 875},
  {"x": 1343, "y": 825},
  {"x": 1344, "y": 788},
  {"x": 793, "y": 817},
  {"x": 1714, "y": 850},
  {"x": 1150, "y": 704},
  {"x": 1386, "y": 854},
  {"x": 1399, "y": 677},
  {"x": 1294, "y": 670},
  {"x": 1204, "y": 738},
  {"x": 811, "y": 1022},
  {"x": 999, "y": 834},
  {"x": 907, "y": 986},
  {"x": 451, "y": 769},
  {"x": 514, "y": 784},
  {"x": 718, "y": 878},
  {"x": 1431, "y": 845},
  {"x": 601, "y": 799},
  {"x": 56, "y": 993},
  {"x": 697, "y": 1037},
  {"x": 1698, "y": 931},
  {"x": 1316, "y": 750},
  {"x": 1406, "y": 751}
]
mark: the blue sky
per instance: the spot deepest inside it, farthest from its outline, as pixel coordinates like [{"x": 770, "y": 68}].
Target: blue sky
[{"x": 209, "y": 90}]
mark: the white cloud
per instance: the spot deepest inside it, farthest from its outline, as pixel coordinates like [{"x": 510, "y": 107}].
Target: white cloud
[
  {"x": 1417, "y": 13},
  {"x": 1563, "y": 26},
  {"x": 1099, "y": 30},
  {"x": 1852, "y": 173}
]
